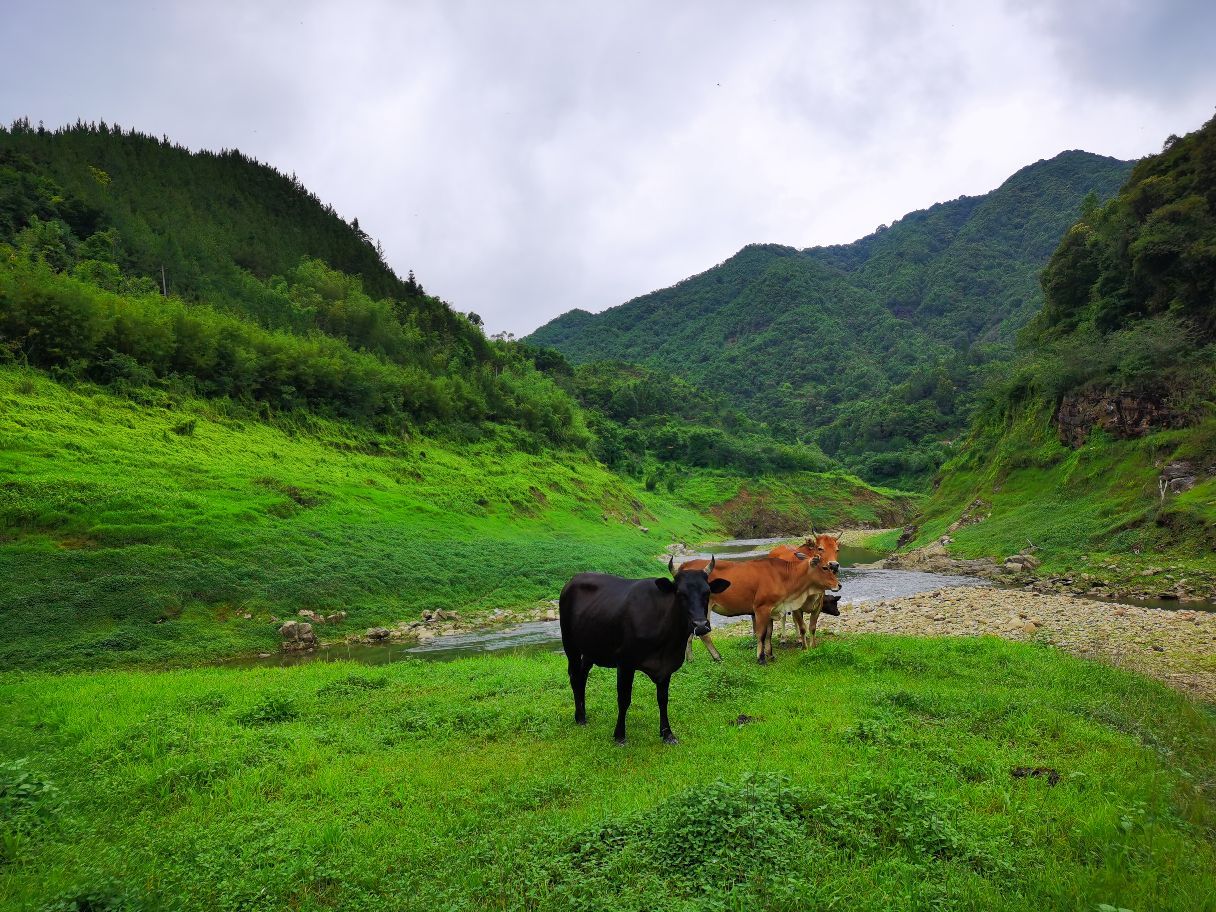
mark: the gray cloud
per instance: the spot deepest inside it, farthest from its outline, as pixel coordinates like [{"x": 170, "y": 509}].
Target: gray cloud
[{"x": 528, "y": 158}]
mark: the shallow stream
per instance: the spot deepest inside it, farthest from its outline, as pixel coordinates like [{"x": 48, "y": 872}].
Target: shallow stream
[{"x": 859, "y": 583}]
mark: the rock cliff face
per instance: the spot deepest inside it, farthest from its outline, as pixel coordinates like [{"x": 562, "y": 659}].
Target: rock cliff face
[{"x": 1119, "y": 414}]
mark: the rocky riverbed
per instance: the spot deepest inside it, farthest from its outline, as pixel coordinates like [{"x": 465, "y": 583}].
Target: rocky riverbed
[
  {"x": 1147, "y": 582},
  {"x": 1176, "y": 647}
]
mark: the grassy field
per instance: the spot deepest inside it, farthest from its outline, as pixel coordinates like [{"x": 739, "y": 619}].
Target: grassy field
[
  {"x": 876, "y": 774},
  {"x": 1095, "y": 507},
  {"x": 158, "y": 529}
]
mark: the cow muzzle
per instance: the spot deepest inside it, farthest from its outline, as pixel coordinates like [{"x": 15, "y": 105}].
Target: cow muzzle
[
  {"x": 700, "y": 629},
  {"x": 834, "y": 566}
]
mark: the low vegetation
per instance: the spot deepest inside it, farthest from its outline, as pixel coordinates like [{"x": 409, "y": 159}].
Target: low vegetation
[{"x": 875, "y": 773}]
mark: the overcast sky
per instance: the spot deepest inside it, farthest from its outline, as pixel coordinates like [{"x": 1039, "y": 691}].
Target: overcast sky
[{"x": 524, "y": 158}]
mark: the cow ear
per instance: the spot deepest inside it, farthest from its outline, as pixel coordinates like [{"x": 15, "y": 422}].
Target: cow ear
[
  {"x": 664, "y": 584},
  {"x": 719, "y": 585},
  {"x": 799, "y": 555}
]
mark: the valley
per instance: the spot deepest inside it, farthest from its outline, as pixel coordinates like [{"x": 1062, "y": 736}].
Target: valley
[{"x": 237, "y": 510}]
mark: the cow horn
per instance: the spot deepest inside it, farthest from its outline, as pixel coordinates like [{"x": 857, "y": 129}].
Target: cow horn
[
  {"x": 671, "y": 565},
  {"x": 713, "y": 561}
]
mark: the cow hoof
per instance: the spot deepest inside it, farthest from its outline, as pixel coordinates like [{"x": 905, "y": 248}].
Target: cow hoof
[
  {"x": 620, "y": 740},
  {"x": 717, "y": 658},
  {"x": 760, "y": 660},
  {"x": 669, "y": 738},
  {"x": 580, "y": 721}
]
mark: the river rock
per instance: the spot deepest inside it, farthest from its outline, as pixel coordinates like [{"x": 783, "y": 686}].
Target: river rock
[
  {"x": 297, "y": 636},
  {"x": 336, "y": 617},
  {"x": 378, "y": 633},
  {"x": 1177, "y": 477}
]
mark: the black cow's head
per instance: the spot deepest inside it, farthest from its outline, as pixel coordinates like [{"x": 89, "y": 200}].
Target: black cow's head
[{"x": 692, "y": 589}]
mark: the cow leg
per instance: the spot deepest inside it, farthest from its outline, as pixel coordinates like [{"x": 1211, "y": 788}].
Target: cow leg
[
  {"x": 762, "y": 624},
  {"x": 624, "y": 696},
  {"x": 662, "y": 686},
  {"x": 801, "y": 625},
  {"x": 688, "y": 649},
  {"x": 709, "y": 644},
  {"x": 815, "y": 623},
  {"x": 813, "y": 606},
  {"x": 578, "y": 670},
  {"x": 759, "y": 628}
]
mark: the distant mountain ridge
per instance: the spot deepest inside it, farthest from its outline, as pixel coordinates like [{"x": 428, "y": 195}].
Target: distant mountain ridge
[{"x": 871, "y": 349}]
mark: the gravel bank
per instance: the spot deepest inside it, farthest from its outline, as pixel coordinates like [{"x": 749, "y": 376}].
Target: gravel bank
[{"x": 1176, "y": 647}]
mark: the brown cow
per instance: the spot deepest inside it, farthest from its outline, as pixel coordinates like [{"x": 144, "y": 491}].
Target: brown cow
[
  {"x": 827, "y": 548},
  {"x": 763, "y": 586}
]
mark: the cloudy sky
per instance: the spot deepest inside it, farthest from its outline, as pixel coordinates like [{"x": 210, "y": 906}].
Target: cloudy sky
[{"x": 525, "y": 158}]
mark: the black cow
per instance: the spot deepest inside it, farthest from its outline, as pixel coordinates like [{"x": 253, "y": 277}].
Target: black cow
[{"x": 633, "y": 625}]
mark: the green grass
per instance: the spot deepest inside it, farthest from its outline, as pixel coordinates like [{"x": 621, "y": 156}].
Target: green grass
[
  {"x": 1090, "y": 507},
  {"x": 876, "y": 775},
  {"x": 143, "y": 529}
]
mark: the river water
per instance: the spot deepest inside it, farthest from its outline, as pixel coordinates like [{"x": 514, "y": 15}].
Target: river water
[{"x": 859, "y": 583}]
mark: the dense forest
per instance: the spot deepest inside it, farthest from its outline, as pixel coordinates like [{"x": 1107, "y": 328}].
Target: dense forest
[
  {"x": 97, "y": 224},
  {"x": 874, "y": 350},
  {"x": 646, "y": 422}
]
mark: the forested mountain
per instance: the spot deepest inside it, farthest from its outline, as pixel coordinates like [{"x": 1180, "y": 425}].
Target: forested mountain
[
  {"x": 272, "y": 298},
  {"x": 275, "y": 302},
  {"x": 873, "y": 349},
  {"x": 1101, "y": 436}
]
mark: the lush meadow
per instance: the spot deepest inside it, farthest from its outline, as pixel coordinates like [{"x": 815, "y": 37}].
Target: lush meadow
[
  {"x": 874, "y": 773},
  {"x": 157, "y": 528}
]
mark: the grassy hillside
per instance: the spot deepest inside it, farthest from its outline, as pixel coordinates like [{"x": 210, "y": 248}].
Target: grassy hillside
[
  {"x": 1101, "y": 439},
  {"x": 466, "y": 785},
  {"x": 145, "y": 528},
  {"x": 1097, "y": 508},
  {"x": 873, "y": 349}
]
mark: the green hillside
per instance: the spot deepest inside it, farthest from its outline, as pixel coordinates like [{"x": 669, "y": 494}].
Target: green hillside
[
  {"x": 177, "y": 470},
  {"x": 1101, "y": 439},
  {"x": 259, "y": 308},
  {"x": 871, "y": 350}
]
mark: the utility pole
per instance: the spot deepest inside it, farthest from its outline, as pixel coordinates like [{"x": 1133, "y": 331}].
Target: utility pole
[{"x": 164, "y": 288}]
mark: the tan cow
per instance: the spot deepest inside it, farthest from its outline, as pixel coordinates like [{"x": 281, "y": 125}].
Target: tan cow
[
  {"x": 762, "y": 586},
  {"x": 827, "y": 549}
]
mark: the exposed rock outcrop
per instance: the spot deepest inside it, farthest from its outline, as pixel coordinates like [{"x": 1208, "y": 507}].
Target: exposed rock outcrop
[{"x": 1119, "y": 414}]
